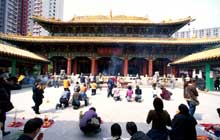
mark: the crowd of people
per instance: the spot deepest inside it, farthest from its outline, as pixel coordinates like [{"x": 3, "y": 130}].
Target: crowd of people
[{"x": 181, "y": 127}]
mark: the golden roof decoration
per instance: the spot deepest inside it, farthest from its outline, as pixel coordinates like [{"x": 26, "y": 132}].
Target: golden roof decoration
[
  {"x": 13, "y": 51},
  {"x": 136, "y": 40},
  {"x": 109, "y": 18},
  {"x": 178, "y": 20},
  {"x": 200, "y": 56}
]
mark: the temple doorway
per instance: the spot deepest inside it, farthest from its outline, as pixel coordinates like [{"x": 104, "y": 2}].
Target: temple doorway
[
  {"x": 161, "y": 65},
  {"x": 59, "y": 63},
  {"x": 110, "y": 65},
  {"x": 83, "y": 65},
  {"x": 137, "y": 66}
]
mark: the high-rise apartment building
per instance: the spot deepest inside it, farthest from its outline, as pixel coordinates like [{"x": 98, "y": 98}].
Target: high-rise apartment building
[
  {"x": 53, "y": 9},
  {"x": 47, "y": 9},
  {"x": 22, "y": 17},
  {"x": 9, "y": 16},
  {"x": 2, "y": 15},
  {"x": 200, "y": 33},
  {"x": 13, "y": 16},
  {"x": 30, "y": 23},
  {"x": 37, "y": 11}
]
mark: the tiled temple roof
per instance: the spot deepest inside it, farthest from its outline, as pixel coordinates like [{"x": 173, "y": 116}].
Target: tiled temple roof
[
  {"x": 211, "y": 54},
  {"x": 7, "y": 50},
  {"x": 131, "y": 40},
  {"x": 121, "y": 19}
]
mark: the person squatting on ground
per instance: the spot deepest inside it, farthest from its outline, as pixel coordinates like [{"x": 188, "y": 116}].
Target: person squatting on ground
[
  {"x": 191, "y": 94},
  {"x": 138, "y": 93},
  {"x": 64, "y": 100},
  {"x": 116, "y": 93},
  {"x": 6, "y": 85},
  {"x": 38, "y": 90},
  {"x": 76, "y": 99},
  {"x": 183, "y": 125},
  {"x": 32, "y": 129},
  {"x": 160, "y": 119},
  {"x": 131, "y": 128},
  {"x": 166, "y": 94},
  {"x": 116, "y": 132},
  {"x": 90, "y": 122},
  {"x": 93, "y": 87},
  {"x": 129, "y": 94},
  {"x": 76, "y": 87}
]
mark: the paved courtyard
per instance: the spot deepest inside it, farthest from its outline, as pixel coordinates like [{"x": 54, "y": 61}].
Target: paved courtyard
[{"x": 66, "y": 124}]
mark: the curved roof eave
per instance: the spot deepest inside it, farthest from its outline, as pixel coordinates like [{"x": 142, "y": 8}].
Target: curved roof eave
[
  {"x": 211, "y": 54},
  {"x": 127, "y": 40},
  {"x": 7, "y": 50}
]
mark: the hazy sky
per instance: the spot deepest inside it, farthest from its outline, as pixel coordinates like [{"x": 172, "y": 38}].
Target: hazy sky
[{"x": 206, "y": 12}]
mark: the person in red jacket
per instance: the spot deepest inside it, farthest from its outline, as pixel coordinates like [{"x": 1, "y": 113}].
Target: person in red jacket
[{"x": 165, "y": 93}]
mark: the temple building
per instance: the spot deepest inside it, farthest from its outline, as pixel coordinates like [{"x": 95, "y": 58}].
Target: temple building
[
  {"x": 15, "y": 60},
  {"x": 111, "y": 44},
  {"x": 207, "y": 62}
]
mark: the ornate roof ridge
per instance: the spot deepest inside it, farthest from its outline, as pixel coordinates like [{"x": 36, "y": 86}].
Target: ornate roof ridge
[{"x": 104, "y": 17}]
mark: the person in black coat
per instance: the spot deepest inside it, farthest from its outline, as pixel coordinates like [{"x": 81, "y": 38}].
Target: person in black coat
[
  {"x": 131, "y": 128},
  {"x": 38, "y": 96},
  {"x": 138, "y": 93},
  {"x": 110, "y": 85},
  {"x": 32, "y": 129},
  {"x": 183, "y": 125},
  {"x": 6, "y": 85}
]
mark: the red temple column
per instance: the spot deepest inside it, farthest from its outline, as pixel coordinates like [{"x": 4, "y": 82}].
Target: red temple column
[
  {"x": 150, "y": 67},
  {"x": 125, "y": 66},
  {"x": 69, "y": 66},
  {"x": 145, "y": 68},
  {"x": 75, "y": 66},
  {"x": 93, "y": 66},
  {"x": 164, "y": 69},
  {"x": 174, "y": 70},
  {"x": 96, "y": 67},
  {"x": 45, "y": 68},
  {"x": 54, "y": 67}
]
